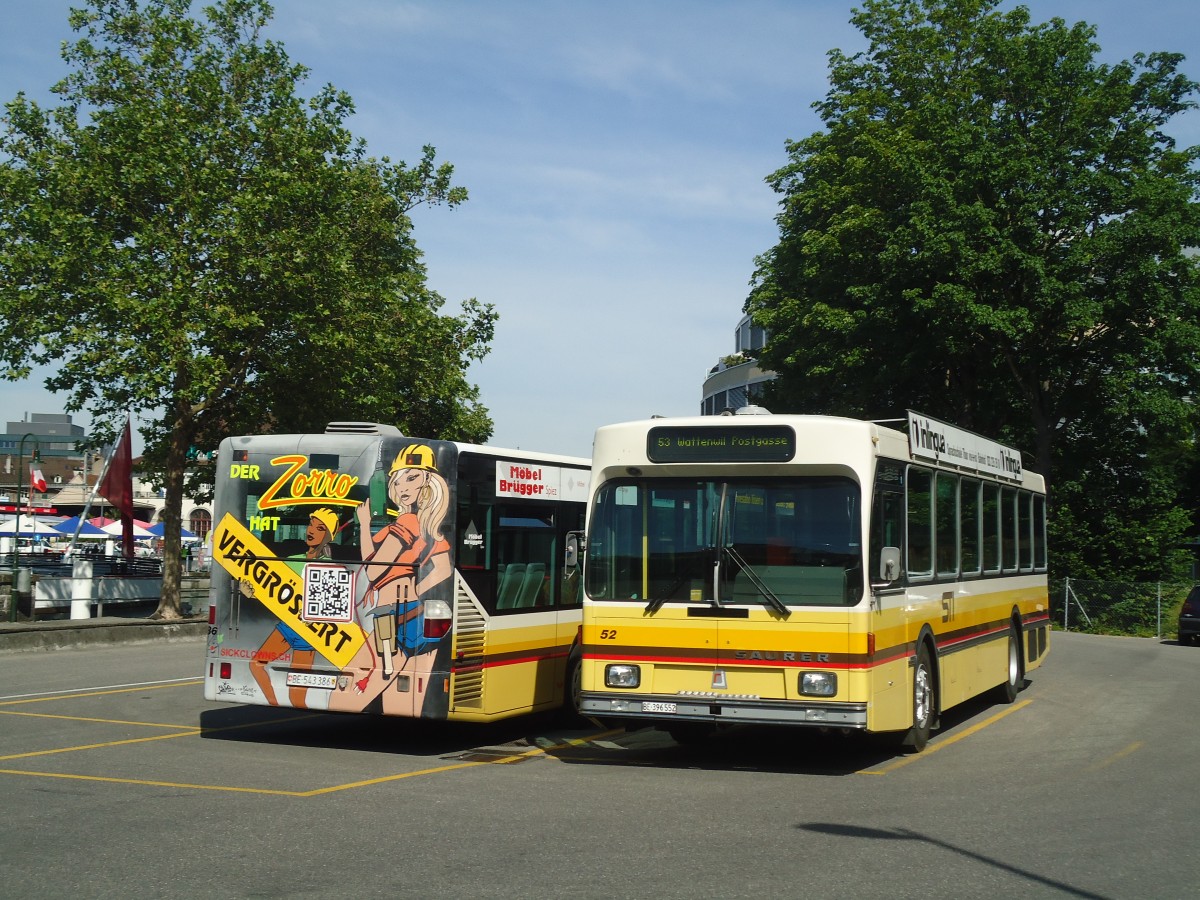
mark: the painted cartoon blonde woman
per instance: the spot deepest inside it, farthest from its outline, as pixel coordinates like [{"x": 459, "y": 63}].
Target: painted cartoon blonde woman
[{"x": 404, "y": 559}]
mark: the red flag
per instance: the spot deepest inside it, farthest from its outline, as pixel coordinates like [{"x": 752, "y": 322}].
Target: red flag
[
  {"x": 117, "y": 488},
  {"x": 37, "y": 481}
]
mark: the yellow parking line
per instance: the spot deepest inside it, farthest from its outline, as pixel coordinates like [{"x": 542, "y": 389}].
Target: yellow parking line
[
  {"x": 104, "y": 693},
  {"x": 9, "y": 712},
  {"x": 142, "y": 781},
  {"x": 1120, "y": 754},
  {"x": 515, "y": 757},
  {"x": 935, "y": 747},
  {"x": 158, "y": 737},
  {"x": 332, "y": 789},
  {"x": 246, "y": 790}
]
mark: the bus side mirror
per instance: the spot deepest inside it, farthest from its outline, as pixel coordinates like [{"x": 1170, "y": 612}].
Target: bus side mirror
[
  {"x": 889, "y": 564},
  {"x": 575, "y": 546}
]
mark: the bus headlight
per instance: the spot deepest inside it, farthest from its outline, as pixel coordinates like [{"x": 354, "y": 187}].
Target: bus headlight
[
  {"x": 620, "y": 675},
  {"x": 818, "y": 684}
]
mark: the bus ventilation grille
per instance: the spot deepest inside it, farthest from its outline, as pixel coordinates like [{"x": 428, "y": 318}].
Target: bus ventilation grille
[
  {"x": 362, "y": 428},
  {"x": 470, "y": 642}
]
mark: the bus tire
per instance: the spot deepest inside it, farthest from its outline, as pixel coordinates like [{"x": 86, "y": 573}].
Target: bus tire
[
  {"x": 924, "y": 703},
  {"x": 572, "y": 689},
  {"x": 1014, "y": 675}
]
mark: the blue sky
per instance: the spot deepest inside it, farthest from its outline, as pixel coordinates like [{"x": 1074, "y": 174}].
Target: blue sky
[{"x": 615, "y": 154}]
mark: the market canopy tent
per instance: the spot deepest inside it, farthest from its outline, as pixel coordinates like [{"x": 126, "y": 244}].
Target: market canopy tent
[
  {"x": 112, "y": 527},
  {"x": 157, "y": 530},
  {"x": 86, "y": 530},
  {"x": 29, "y": 526}
]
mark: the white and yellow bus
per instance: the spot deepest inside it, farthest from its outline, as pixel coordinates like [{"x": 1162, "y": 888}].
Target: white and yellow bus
[
  {"x": 808, "y": 570},
  {"x": 362, "y": 570}
]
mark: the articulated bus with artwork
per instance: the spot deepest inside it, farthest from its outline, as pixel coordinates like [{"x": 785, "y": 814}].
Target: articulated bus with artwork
[
  {"x": 360, "y": 570},
  {"x": 808, "y": 570}
]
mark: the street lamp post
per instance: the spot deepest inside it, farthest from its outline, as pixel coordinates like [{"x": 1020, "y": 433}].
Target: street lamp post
[{"x": 16, "y": 559}]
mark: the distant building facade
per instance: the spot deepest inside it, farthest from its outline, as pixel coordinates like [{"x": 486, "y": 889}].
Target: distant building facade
[
  {"x": 71, "y": 473},
  {"x": 54, "y": 437},
  {"x": 736, "y": 380}
]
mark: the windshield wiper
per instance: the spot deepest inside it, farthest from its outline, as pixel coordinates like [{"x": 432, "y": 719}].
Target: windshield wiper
[
  {"x": 656, "y": 603},
  {"x": 772, "y": 600}
]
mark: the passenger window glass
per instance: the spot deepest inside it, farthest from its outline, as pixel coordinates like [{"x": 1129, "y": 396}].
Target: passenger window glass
[
  {"x": 991, "y": 527},
  {"x": 920, "y": 522},
  {"x": 1008, "y": 529},
  {"x": 1039, "y": 531},
  {"x": 947, "y": 524},
  {"x": 968, "y": 500},
  {"x": 1025, "y": 529}
]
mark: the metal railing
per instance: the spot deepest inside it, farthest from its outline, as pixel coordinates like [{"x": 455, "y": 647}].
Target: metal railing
[{"x": 1143, "y": 609}]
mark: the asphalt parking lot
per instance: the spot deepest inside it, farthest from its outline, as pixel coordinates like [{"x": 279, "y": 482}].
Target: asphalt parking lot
[{"x": 120, "y": 780}]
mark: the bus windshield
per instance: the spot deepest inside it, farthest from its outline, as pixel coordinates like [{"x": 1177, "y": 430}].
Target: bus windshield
[{"x": 781, "y": 542}]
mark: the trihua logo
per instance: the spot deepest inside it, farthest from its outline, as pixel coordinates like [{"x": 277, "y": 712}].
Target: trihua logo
[
  {"x": 1011, "y": 463},
  {"x": 926, "y": 438}
]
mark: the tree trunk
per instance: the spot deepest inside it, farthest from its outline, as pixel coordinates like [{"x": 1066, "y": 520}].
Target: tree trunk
[{"x": 169, "y": 606}]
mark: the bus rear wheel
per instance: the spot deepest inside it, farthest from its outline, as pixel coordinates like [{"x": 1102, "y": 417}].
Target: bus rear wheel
[{"x": 1014, "y": 678}]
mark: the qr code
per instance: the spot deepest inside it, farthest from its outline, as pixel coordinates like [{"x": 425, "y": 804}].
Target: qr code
[{"x": 328, "y": 593}]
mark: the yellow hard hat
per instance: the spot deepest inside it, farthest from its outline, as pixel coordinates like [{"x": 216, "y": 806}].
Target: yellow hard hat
[
  {"x": 326, "y": 517},
  {"x": 414, "y": 456}
]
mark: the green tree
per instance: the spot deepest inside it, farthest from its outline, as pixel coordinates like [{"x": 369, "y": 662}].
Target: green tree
[
  {"x": 990, "y": 228},
  {"x": 187, "y": 238}
]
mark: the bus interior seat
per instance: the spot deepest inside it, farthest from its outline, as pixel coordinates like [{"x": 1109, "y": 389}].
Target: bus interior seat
[
  {"x": 510, "y": 585},
  {"x": 535, "y": 575}
]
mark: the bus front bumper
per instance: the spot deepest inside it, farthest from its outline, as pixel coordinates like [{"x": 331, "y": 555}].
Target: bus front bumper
[{"x": 718, "y": 708}]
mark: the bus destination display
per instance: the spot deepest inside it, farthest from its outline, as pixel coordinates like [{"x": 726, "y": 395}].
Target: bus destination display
[{"x": 721, "y": 443}]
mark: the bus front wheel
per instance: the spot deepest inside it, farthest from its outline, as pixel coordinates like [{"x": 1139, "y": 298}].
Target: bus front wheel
[
  {"x": 572, "y": 690},
  {"x": 924, "y": 704}
]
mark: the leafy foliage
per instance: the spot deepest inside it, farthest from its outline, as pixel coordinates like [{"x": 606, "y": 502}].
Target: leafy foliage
[
  {"x": 991, "y": 228},
  {"x": 1114, "y": 607},
  {"x": 187, "y": 238}
]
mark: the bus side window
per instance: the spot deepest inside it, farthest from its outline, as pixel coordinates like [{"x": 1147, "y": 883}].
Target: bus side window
[
  {"x": 920, "y": 522},
  {"x": 946, "y": 531},
  {"x": 887, "y": 525},
  {"x": 991, "y": 527},
  {"x": 887, "y": 531},
  {"x": 968, "y": 499},
  {"x": 1039, "y": 532},
  {"x": 1025, "y": 530},
  {"x": 1008, "y": 528}
]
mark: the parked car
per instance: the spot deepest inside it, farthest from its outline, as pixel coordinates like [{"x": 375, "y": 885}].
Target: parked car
[{"x": 1189, "y": 618}]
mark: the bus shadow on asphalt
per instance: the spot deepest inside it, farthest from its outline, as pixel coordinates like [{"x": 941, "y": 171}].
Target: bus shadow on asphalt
[
  {"x": 781, "y": 750},
  {"x": 812, "y": 751},
  {"x": 737, "y": 748},
  {"x": 365, "y": 734}
]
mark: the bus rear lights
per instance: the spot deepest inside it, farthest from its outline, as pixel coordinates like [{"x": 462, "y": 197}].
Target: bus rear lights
[
  {"x": 212, "y": 614},
  {"x": 226, "y": 670},
  {"x": 622, "y": 675},
  {"x": 438, "y": 618},
  {"x": 818, "y": 684}
]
